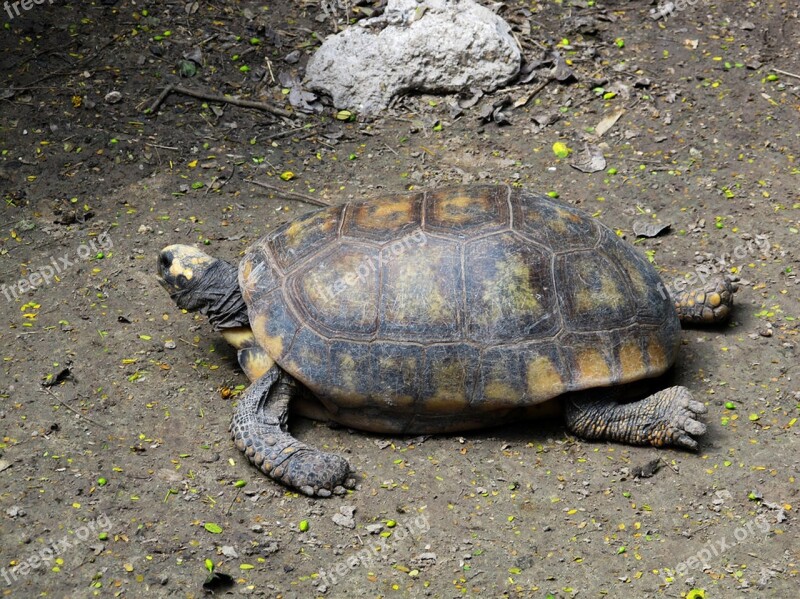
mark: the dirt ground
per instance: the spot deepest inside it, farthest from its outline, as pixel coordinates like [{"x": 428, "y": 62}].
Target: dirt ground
[{"x": 118, "y": 474}]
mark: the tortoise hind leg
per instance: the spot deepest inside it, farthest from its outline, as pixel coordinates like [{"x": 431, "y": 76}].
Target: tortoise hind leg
[
  {"x": 664, "y": 418},
  {"x": 259, "y": 430},
  {"x": 711, "y": 304}
]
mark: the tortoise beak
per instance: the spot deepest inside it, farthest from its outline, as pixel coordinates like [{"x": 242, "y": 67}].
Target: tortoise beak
[{"x": 165, "y": 258}]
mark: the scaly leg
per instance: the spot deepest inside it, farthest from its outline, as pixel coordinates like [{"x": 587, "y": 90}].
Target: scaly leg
[
  {"x": 259, "y": 430},
  {"x": 664, "y": 418}
]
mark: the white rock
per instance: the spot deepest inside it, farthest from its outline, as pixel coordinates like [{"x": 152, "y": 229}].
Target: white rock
[{"x": 437, "y": 46}]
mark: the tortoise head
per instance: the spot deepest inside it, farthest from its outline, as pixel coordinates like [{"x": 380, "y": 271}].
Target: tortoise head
[{"x": 196, "y": 281}]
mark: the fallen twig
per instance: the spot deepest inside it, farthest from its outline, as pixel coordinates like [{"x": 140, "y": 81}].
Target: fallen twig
[
  {"x": 200, "y": 95},
  {"x": 71, "y": 409},
  {"x": 523, "y": 100},
  {"x": 787, "y": 73},
  {"x": 292, "y": 195}
]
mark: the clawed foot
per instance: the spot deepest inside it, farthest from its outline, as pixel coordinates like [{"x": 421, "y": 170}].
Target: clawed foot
[
  {"x": 316, "y": 474},
  {"x": 296, "y": 465},
  {"x": 676, "y": 422}
]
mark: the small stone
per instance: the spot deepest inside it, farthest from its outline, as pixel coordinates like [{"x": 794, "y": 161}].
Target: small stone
[{"x": 345, "y": 516}]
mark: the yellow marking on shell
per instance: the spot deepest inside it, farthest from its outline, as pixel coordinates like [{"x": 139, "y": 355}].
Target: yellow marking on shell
[
  {"x": 608, "y": 297},
  {"x": 347, "y": 393},
  {"x": 347, "y": 367},
  {"x": 592, "y": 367},
  {"x": 385, "y": 215},
  {"x": 509, "y": 292},
  {"x": 418, "y": 297},
  {"x": 631, "y": 361},
  {"x": 543, "y": 379},
  {"x": 499, "y": 392},
  {"x": 297, "y": 229},
  {"x": 408, "y": 368},
  {"x": 557, "y": 224},
  {"x": 656, "y": 355},
  {"x": 249, "y": 279},
  {"x": 257, "y": 364},
  {"x": 272, "y": 345},
  {"x": 449, "y": 381},
  {"x": 456, "y": 209}
]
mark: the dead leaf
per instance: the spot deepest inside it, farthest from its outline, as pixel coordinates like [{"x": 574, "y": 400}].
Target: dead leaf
[
  {"x": 590, "y": 160},
  {"x": 649, "y": 229},
  {"x": 608, "y": 121},
  {"x": 468, "y": 101},
  {"x": 561, "y": 71}
]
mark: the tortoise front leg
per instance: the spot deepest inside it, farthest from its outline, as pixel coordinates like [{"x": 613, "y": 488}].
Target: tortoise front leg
[
  {"x": 664, "y": 418},
  {"x": 710, "y": 304},
  {"x": 259, "y": 430}
]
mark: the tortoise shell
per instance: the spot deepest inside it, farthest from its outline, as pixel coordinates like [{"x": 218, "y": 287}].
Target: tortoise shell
[{"x": 429, "y": 311}]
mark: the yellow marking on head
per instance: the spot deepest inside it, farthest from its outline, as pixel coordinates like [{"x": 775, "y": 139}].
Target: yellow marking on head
[
  {"x": 592, "y": 367},
  {"x": 185, "y": 259},
  {"x": 543, "y": 379},
  {"x": 631, "y": 361}
]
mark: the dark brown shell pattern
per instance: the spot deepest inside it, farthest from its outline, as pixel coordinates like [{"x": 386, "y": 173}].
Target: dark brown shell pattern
[{"x": 430, "y": 311}]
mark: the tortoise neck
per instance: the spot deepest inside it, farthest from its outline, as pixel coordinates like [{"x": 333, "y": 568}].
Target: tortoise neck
[{"x": 216, "y": 295}]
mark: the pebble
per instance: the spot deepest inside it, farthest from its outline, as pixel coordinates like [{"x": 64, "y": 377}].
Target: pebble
[{"x": 345, "y": 516}]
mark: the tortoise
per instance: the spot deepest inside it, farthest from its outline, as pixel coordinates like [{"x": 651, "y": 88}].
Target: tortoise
[{"x": 442, "y": 311}]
